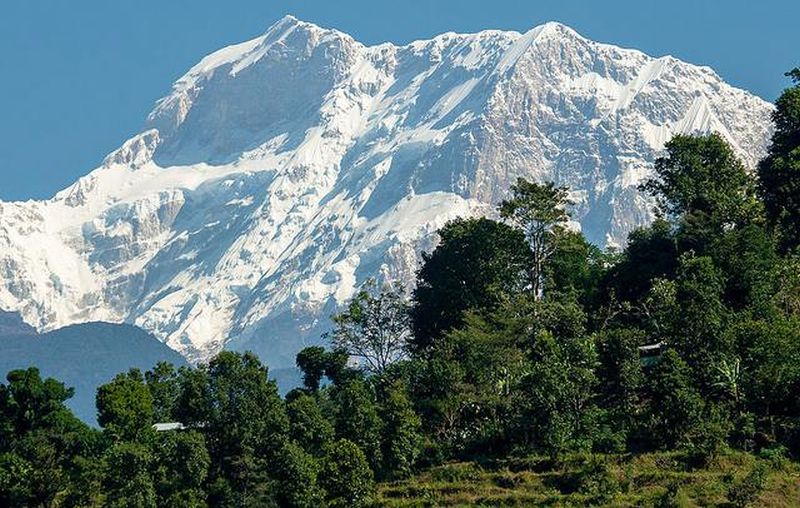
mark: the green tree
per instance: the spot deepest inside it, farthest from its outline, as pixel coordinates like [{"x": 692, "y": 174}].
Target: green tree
[
  {"x": 308, "y": 426},
  {"x": 476, "y": 266},
  {"x": 244, "y": 422},
  {"x": 558, "y": 413},
  {"x": 374, "y": 327},
  {"x": 316, "y": 363},
  {"x": 539, "y": 211},
  {"x": 676, "y": 407},
  {"x": 162, "y": 381},
  {"x": 345, "y": 475},
  {"x": 125, "y": 406},
  {"x": 29, "y": 403},
  {"x": 770, "y": 369},
  {"x": 296, "y": 472},
  {"x": 651, "y": 253},
  {"x": 464, "y": 387},
  {"x": 703, "y": 183},
  {"x": 127, "y": 481},
  {"x": 696, "y": 330},
  {"x": 575, "y": 266},
  {"x": 786, "y": 279},
  {"x": 779, "y": 172},
  {"x": 401, "y": 437},
  {"x": 620, "y": 372},
  {"x": 747, "y": 258},
  {"x": 312, "y": 361},
  {"x": 357, "y": 418},
  {"x": 16, "y": 488},
  {"x": 41, "y": 443},
  {"x": 183, "y": 465}
]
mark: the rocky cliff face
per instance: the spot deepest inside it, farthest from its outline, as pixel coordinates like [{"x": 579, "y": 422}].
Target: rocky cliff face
[{"x": 280, "y": 173}]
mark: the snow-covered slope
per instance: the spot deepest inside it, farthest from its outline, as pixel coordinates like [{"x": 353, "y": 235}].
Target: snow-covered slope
[{"x": 280, "y": 173}]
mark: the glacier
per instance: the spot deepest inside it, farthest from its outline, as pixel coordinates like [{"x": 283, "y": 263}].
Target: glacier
[{"x": 280, "y": 173}]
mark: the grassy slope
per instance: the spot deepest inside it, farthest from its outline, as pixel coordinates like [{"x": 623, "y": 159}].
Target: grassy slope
[{"x": 612, "y": 480}]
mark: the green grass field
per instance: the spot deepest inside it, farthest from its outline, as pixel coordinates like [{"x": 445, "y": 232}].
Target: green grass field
[{"x": 658, "y": 479}]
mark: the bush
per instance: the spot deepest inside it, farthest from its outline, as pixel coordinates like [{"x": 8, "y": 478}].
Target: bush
[
  {"x": 345, "y": 475},
  {"x": 457, "y": 472},
  {"x": 674, "y": 497},
  {"x": 707, "y": 438},
  {"x": 508, "y": 480},
  {"x": 297, "y": 478},
  {"x": 596, "y": 480},
  {"x": 744, "y": 492},
  {"x": 777, "y": 456}
]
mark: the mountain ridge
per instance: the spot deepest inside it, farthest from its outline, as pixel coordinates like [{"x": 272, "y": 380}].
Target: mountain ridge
[
  {"x": 83, "y": 356},
  {"x": 279, "y": 173}
]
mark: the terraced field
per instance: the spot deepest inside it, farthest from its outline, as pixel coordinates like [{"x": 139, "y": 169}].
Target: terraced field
[{"x": 662, "y": 479}]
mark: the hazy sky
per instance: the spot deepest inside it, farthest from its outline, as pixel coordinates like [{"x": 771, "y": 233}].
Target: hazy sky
[{"x": 78, "y": 77}]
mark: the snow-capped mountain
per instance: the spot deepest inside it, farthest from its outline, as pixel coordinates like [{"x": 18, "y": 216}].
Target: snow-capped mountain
[{"x": 280, "y": 173}]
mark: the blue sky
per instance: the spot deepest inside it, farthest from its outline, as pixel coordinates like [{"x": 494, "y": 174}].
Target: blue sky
[{"x": 80, "y": 76}]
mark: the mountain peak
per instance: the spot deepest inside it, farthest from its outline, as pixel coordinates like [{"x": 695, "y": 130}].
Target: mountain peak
[
  {"x": 288, "y": 23},
  {"x": 553, "y": 28},
  {"x": 284, "y": 171},
  {"x": 287, "y": 19}
]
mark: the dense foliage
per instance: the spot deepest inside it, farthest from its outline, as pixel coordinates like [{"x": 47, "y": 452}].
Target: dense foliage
[{"x": 520, "y": 339}]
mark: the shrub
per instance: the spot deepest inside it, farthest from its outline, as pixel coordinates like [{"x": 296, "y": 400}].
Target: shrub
[
  {"x": 457, "y": 472},
  {"x": 296, "y": 472},
  {"x": 596, "y": 480},
  {"x": 508, "y": 480},
  {"x": 345, "y": 475},
  {"x": 674, "y": 497},
  {"x": 744, "y": 492},
  {"x": 776, "y": 455}
]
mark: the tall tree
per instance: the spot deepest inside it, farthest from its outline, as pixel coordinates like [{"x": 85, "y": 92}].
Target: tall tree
[
  {"x": 696, "y": 327},
  {"x": 676, "y": 407},
  {"x": 308, "y": 426},
  {"x": 162, "y": 381},
  {"x": 770, "y": 369},
  {"x": 128, "y": 481},
  {"x": 779, "y": 172},
  {"x": 357, "y": 418},
  {"x": 125, "y": 406},
  {"x": 315, "y": 363},
  {"x": 620, "y": 371},
  {"x": 539, "y": 210},
  {"x": 374, "y": 327},
  {"x": 401, "y": 433},
  {"x": 558, "y": 414},
  {"x": 702, "y": 184},
  {"x": 576, "y": 265},
  {"x": 244, "y": 422},
  {"x": 28, "y": 403},
  {"x": 312, "y": 361},
  {"x": 296, "y": 472},
  {"x": 786, "y": 296},
  {"x": 464, "y": 387},
  {"x": 476, "y": 266},
  {"x": 41, "y": 442},
  {"x": 181, "y": 468},
  {"x": 651, "y": 253}
]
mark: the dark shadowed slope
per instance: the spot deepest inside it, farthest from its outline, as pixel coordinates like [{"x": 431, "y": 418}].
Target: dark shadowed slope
[
  {"x": 12, "y": 324},
  {"x": 82, "y": 356}
]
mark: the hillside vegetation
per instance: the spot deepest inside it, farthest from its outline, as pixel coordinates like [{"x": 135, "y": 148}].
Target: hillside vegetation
[{"x": 654, "y": 479}]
